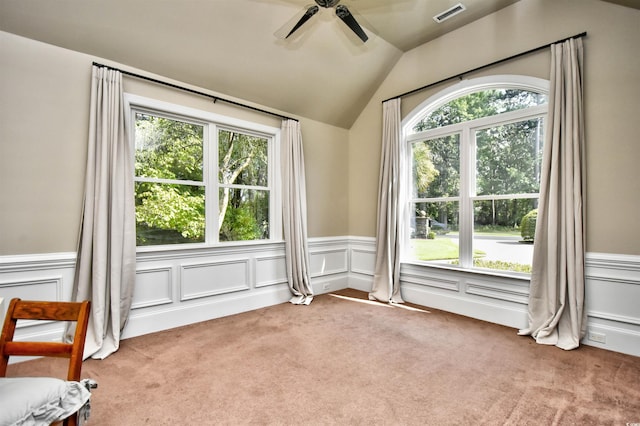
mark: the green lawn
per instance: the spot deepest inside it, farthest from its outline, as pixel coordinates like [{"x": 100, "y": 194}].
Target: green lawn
[
  {"x": 439, "y": 249},
  {"x": 497, "y": 231}
]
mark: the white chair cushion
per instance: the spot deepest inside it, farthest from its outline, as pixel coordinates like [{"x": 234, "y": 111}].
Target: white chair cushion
[{"x": 26, "y": 401}]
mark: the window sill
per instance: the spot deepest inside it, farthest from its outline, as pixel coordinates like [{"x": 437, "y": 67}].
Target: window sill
[
  {"x": 476, "y": 271},
  {"x": 198, "y": 250}
]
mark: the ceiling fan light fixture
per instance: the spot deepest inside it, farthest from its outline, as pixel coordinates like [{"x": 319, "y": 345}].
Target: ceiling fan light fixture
[
  {"x": 452, "y": 11},
  {"x": 341, "y": 11}
]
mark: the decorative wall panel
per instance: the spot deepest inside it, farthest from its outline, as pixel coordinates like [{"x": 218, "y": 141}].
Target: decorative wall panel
[
  {"x": 153, "y": 287},
  {"x": 270, "y": 270},
  {"x": 214, "y": 278}
]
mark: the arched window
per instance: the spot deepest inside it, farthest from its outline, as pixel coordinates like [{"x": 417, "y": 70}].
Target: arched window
[{"x": 473, "y": 156}]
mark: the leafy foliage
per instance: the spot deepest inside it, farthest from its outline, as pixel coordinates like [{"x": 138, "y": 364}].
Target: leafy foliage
[
  {"x": 172, "y": 207},
  {"x": 507, "y": 157},
  {"x": 243, "y": 160},
  {"x": 502, "y": 265},
  {"x": 528, "y": 226},
  {"x": 170, "y": 192},
  {"x": 507, "y": 161},
  {"x": 168, "y": 149}
]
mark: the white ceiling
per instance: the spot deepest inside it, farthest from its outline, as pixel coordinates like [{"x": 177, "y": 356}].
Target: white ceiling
[{"x": 323, "y": 72}]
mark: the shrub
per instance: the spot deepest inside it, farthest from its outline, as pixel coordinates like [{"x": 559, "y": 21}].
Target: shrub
[
  {"x": 528, "y": 226},
  {"x": 502, "y": 265},
  {"x": 431, "y": 235}
]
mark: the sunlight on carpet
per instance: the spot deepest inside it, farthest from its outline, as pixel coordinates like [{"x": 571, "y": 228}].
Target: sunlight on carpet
[{"x": 377, "y": 303}]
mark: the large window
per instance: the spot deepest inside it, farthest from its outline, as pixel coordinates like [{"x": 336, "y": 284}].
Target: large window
[
  {"x": 201, "y": 178},
  {"x": 474, "y": 177}
]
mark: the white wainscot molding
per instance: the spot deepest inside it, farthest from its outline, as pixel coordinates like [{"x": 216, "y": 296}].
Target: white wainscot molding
[
  {"x": 36, "y": 277},
  {"x": 329, "y": 264},
  {"x": 498, "y": 299},
  {"x": 180, "y": 287},
  {"x": 613, "y": 302},
  {"x": 184, "y": 286},
  {"x": 612, "y": 288},
  {"x": 362, "y": 255}
]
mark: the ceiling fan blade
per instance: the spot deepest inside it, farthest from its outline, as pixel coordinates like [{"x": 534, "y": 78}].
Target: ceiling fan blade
[
  {"x": 343, "y": 13},
  {"x": 307, "y": 15}
]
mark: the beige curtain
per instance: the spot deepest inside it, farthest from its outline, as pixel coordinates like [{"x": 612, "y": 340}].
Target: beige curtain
[
  {"x": 294, "y": 213},
  {"x": 105, "y": 265},
  {"x": 556, "y": 299},
  {"x": 386, "y": 280}
]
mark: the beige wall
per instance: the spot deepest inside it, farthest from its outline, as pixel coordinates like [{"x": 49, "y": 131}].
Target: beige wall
[
  {"x": 612, "y": 97},
  {"x": 43, "y": 130},
  {"x": 44, "y": 95}
]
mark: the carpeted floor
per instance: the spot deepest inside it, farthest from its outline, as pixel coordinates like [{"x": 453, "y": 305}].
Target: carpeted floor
[{"x": 346, "y": 361}]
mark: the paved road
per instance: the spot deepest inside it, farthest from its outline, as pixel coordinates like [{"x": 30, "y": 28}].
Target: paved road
[{"x": 509, "y": 250}]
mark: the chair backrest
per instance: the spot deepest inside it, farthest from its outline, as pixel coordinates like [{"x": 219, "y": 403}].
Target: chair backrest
[{"x": 50, "y": 311}]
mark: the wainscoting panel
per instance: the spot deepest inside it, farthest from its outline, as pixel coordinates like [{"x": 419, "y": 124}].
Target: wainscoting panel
[
  {"x": 612, "y": 294},
  {"x": 613, "y": 302},
  {"x": 363, "y": 261},
  {"x": 327, "y": 262},
  {"x": 153, "y": 287},
  {"x": 463, "y": 294},
  {"x": 505, "y": 289},
  {"x": 362, "y": 254},
  {"x": 270, "y": 270},
  {"x": 36, "y": 277},
  {"x": 37, "y": 289},
  {"x": 181, "y": 287},
  {"x": 210, "y": 279},
  {"x": 413, "y": 274}
]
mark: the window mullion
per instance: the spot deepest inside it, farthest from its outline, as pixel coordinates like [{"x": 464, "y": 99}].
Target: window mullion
[
  {"x": 275, "y": 181},
  {"x": 212, "y": 197},
  {"x": 467, "y": 189}
]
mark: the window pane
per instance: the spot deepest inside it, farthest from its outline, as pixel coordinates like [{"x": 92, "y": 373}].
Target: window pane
[
  {"x": 498, "y": 236},
  {"x": 168, "y": 149},
  {"x": 244, "y": 214},
  {"x": 434, "y": 231},
  {"x": 508, "y": 158},
  {"x": 480, "y": 104},
  {"x": 169, "y": 214},
  {"x": 436, "y": 167},
  {"x": 243, "y": 159}
]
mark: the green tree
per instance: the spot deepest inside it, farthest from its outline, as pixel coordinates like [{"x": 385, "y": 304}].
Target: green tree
[
  {"x": 243, "y": 160},
  {"x": 505, "y": 160},
  {"x": 424, "y": 171},
  {"x": 170, "y": 212},
  {"x": 169, "y": 149}
]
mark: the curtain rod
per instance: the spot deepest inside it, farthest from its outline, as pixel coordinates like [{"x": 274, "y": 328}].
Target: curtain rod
[
  {"x": 419, "y": 89},
  {"x": 186, "y": 89}
]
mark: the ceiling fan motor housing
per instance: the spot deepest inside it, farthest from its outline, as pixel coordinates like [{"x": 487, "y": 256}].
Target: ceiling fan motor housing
[{"x": 327, "y": 3}]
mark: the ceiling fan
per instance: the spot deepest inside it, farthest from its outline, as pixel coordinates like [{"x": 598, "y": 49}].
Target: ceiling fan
[{"x": 342, "y": 12}]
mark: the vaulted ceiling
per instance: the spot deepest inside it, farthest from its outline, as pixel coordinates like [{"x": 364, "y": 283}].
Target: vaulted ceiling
[{"x": 234, "y": 47}]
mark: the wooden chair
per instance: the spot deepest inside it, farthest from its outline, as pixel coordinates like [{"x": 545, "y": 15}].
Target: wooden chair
[{"x": 48, "y": 311}]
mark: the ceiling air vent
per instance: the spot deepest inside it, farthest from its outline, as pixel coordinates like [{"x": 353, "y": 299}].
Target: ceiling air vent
[{"x": 452, "y": 11}]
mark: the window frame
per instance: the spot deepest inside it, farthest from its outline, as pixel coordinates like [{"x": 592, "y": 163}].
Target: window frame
[
  {"x": 467, "y": 130},
  {"x": 213, "y": 123}
]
